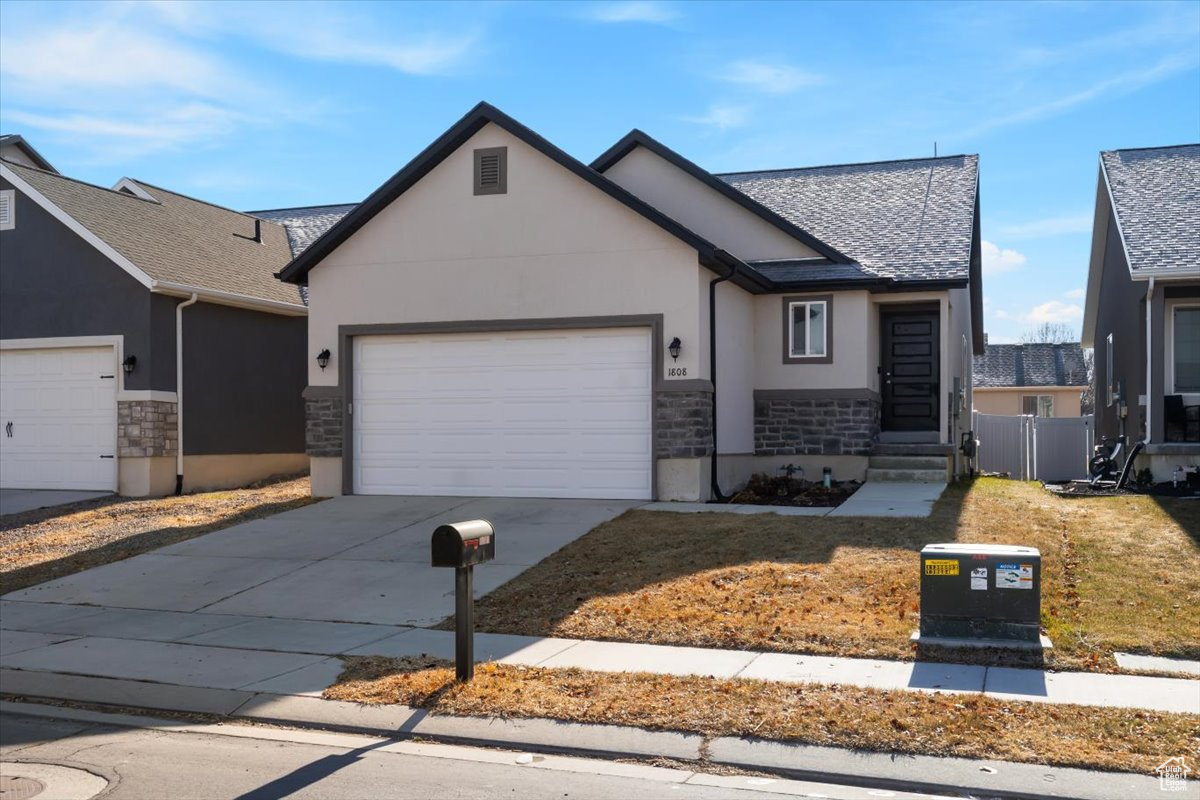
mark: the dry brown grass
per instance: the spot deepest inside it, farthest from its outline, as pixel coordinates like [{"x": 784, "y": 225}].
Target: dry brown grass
[
  {"x": 1118, "y": 573},
  {"x": 44, "y": 544},
  {"x": 969, "y": 726}
]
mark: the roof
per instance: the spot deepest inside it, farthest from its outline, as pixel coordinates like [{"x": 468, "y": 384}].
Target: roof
[
  {"x": 307, "y": 224},
  {"x": 1156, "y": 195},
  {"x": 174, "y": 239},
  {"x": 16, "y": 140},
  {"x": 1012, "y": 365},
  {"x": 793, "y": 271},
  {"x": 475, "y": 119},
  {"x": 906, "y": 220},
  {"x": 637, "y": 138}
]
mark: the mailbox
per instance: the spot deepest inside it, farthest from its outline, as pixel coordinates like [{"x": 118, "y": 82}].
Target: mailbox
[
  {"x": 981, "y": 591},
  {"x": 463, "y": 544}
]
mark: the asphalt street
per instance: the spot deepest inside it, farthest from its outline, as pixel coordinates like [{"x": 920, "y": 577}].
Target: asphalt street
[{"x": 211, "y": 762}]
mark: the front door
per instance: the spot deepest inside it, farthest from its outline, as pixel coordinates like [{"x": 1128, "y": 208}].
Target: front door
[{"x": 910, "y": 370}]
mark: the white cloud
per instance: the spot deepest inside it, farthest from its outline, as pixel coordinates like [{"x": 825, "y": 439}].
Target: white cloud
[
  {"x": 1054, "y": 311},
  {"x": 997, "y": 260},
  {"x": 722, "y": 117},
  {"x": 771, "y": 78},
  {"x": 1075, "y": 294},
  {"x": 632, "y": 11},
  {"x": 179, "y": 125},
  {"x": 1050, "y": 226}
]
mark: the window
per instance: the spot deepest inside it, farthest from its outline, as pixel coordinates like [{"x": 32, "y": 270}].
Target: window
[
  {"x": 1185, "y": 346},
  {"x": 8, "y": 209},
  {"x": 491, "y": 170},
  {"x": 806, "y": 330},
  {"x": 1108, "y": 370},
  {"x": 1038, "y": 405}
]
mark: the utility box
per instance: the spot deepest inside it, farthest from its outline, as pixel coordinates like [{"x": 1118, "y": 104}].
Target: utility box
[{"x": 981, "y": 592}]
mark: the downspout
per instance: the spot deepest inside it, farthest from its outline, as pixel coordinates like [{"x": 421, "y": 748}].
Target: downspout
[
  {"x": 1149, "y": 360},
  {"x": 714, "y": 484},
  {"x": 179, "y": 391}
]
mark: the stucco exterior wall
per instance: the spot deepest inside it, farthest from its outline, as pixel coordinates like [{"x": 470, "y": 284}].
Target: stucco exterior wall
[
  {"x": 702, "y": 209},
  {"x": 735, "y": 369},
  {"x": 851, "y": 367},
  {"x": 553, "y": 246},
  {"x": 1008, "y": 401}
]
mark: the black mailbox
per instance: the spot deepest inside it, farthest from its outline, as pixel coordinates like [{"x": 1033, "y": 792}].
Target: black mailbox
[{"x": 463, "y": 544}]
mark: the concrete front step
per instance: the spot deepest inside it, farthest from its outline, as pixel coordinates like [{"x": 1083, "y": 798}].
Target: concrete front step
[
  {"x": 893, "y": 449},
  {"x": 907, "y": 475},
  {"x": 907, "y": 462}
]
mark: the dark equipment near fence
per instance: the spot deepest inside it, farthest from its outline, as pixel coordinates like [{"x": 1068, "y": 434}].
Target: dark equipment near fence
[
  {"x": 462, "y": 545},
  {"x": 981, "y": 591}
]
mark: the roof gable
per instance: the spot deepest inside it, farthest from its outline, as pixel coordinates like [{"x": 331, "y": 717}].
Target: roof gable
[
  {"x": 13, "y": 147},
  {"x": 619, "y": 154},
  {"x": 1155, "y": 196},
  {"x": 452, "y": 140}
]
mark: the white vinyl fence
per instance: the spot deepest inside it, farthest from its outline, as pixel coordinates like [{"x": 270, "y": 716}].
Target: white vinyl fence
[{"x": 1034, "y": 448}]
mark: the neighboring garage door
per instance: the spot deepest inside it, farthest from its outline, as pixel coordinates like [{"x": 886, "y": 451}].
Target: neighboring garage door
[
  {"x": 512, "y": 414},
  {"x": 58, "y": 418}
]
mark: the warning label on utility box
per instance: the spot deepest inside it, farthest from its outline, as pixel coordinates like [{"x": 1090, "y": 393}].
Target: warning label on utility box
[
  {"x": 979, "y": 579},
  {"x": 941, "y": 566},
  {"x": 1014, "y": 576}
]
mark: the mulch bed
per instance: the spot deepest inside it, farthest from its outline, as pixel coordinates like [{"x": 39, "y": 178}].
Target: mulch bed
[{"x": 782, "y": 490}]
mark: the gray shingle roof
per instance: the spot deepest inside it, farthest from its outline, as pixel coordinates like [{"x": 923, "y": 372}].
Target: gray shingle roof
[
  {"x": 1156, "y": 194},
  {"x": 178, "y": 239},
  {"x": 797, "y": 270},
  {"x": 1004, "y": 365},
  {"x": 305, "y": 225},
  {"x": 907, "y": 220}
]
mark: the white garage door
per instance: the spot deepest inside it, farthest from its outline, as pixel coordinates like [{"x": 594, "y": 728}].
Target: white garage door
[
  {"x": 516, "y": 414},
  {"x": 58, "y": 418}
]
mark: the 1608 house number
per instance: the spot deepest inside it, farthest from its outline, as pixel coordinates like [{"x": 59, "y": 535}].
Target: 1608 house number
[{"x": 677, "y": 372}]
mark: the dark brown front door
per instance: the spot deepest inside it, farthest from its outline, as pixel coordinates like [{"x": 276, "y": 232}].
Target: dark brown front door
[{"x": 910, "y": 370}]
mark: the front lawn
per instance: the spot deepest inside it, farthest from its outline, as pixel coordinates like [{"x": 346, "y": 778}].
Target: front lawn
[
  {"x": 48, "y": 543},
  {"x": 968, "y": 726},
  {"x": 1119, "y": 573}
]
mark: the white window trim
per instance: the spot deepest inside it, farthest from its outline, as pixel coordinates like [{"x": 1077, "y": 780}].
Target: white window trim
[
  {"x": 1169, "y": 350},
  {"x": 11, "y": 196},
  {"x": 807, "y": 339}
]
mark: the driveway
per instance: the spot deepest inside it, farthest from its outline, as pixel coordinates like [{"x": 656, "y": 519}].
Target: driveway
[
  {"x": 14, "y": 501},
  {"x": 349, "y": 559}
]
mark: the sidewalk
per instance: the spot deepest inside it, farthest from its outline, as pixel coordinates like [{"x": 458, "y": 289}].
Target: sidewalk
[
  {"x": 879, "y": 499},
  {"x": 300, "y": 657}
]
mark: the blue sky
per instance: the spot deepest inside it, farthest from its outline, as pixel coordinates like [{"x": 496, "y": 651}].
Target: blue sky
[{"x": 262, "y": 105}]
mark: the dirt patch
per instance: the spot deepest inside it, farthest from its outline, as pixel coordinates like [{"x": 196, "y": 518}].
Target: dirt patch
[
  {"x": 1115, "y": 577},
  {"x": 786, "y": 490},
  {"x": 967, "y": 726},
  {"x": 47, "y": 543}
]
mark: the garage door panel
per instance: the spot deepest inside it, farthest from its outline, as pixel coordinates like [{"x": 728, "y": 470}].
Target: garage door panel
[
  {"x": 537, "y": 413},
  {"x": 62, "y": 403}
]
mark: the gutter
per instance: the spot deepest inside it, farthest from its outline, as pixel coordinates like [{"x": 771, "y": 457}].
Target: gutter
[
  {"x": 732, "y": 263},
  {"x": 229, "y": 298},
  {"x": 1149, "y": 362},
  {"x": 179, "y": 391}
]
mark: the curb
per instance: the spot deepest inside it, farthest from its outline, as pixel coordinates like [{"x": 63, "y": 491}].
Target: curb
[{"x": 889, "y": 771}]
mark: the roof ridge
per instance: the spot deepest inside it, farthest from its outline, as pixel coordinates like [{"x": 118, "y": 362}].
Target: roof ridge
[
  {"x": 197, "y": 200},
  {"x": 79, "y": 181},
  {"x": 1155, "y": 147},
  {"x": 298, "y": 208},
  {"x": 847, "y": 164}
]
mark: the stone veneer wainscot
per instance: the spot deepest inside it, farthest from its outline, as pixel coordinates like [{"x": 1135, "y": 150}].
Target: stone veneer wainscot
[
  {"x": 826, "y": 426},
  {"x": 146, "y": 428}
]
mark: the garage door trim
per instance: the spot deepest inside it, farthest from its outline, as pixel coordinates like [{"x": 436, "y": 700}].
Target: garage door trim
[{"x": 346, "y": 334}]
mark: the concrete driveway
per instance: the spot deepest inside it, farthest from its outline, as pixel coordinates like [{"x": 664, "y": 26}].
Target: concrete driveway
[{"x": 348, "y": 559}]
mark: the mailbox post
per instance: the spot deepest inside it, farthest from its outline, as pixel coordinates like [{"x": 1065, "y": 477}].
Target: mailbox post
[{"x": 462, "y": 545}]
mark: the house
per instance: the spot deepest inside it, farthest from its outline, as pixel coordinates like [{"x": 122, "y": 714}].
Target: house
[
  {"x": 1142, "y": 312},
  {"x": 145, "y": 345},
  {"x": 1045, "y": 380},
  {"x": 503, "y": 319},
  {"x": 14, "y": 148}
]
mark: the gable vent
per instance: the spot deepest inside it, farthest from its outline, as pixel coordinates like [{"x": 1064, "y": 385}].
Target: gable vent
[
  {"x": 8, "y": 202},
  {"x": 491, "y": 170}
]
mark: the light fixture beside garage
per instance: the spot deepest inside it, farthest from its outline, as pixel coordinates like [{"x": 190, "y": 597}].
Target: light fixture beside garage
[
  {"x": 323, "y": 358},
  {"x": 129, "y": 363},
  {"x": 674, "y": 347}
]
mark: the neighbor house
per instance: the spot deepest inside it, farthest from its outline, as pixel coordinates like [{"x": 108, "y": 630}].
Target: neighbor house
[
  {"x": 145, "y": 345},
  {"x": 1142, "y": 312},
  {"x": 503, "y": 319},
  {"x": 1044, "y": 380}
]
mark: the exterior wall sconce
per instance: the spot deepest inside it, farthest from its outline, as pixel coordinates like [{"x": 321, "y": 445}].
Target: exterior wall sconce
[
  {"x": 674, "y": 347},
  {"x": 129, "y": 363},
  {"x": 323, "y": 358}
]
